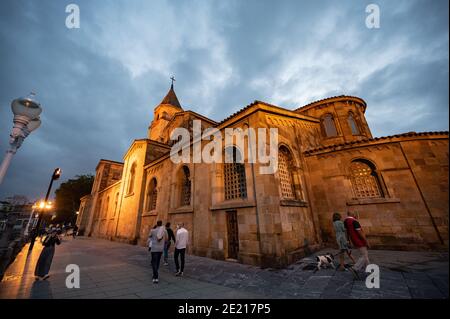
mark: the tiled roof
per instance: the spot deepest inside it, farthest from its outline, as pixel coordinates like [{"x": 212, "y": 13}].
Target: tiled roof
[
  {"x": 107, "y": 160},
  {"x": 254, "y": 103},
  {"x": 330, "y": 98},
  {"x": 409, "y": 134},
  {"x": 238, "y": 112}
]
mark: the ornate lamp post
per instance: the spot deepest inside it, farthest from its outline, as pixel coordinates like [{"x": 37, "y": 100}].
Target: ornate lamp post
[{"x": 26, "y": 119}]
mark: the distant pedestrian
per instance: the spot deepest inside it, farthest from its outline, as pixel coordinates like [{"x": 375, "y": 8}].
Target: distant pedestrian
[
  {"x": 167, "y": 244},
  {"x": 342, "y": 241},
  {"x": 158, "y": 238},
  {"x": 74, "y": 231},
  {"x": 45, "y": 259},
  {"x": 358, "y": 238},
  {"x": 182, "y": 238}
]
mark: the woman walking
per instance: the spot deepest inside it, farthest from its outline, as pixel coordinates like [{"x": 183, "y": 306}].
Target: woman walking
[
  {"x": 341, "y": 239},
  {"x": 45, "y": 259}
]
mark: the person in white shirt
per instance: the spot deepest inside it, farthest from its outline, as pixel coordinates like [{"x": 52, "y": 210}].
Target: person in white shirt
[{"x": 182, "y": 238}]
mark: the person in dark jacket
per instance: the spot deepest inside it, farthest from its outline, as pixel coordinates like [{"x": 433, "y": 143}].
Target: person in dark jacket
[
  {"x": 45, "y": 259},
  {"x": 170, "y": 238}
]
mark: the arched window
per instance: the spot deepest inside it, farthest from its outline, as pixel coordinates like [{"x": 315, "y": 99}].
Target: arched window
[
  {"x": 234, "y": 175},
  {"x": 352, "y": 123},
  {"x": 185, "y": 187},
  {"x": 152, "y": 195},
  {"x": 328, "y": 125},
  {"x": 116, "y": 201},
  {"x": 105, "y": 212},
  {"x": 131, "y": 179},
  {"x": 99, "y": 209},
  {"x": 285, "y": 168},
  {"x": 365, "y": 181}
]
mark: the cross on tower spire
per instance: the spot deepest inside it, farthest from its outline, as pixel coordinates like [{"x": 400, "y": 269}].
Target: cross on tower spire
[{"x": 173, "y": 79}]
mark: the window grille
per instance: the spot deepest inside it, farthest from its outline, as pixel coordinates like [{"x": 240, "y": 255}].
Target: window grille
[
  {"x": 285, "y": 174},
  {"x": 234, "y": 178},
  {"x": 364, "y": 181}
]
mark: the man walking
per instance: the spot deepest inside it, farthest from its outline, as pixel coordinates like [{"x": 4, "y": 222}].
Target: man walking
[
  {"x": 356, "y": 235},
  {"x": 181, "y": 242},
  {"x": 167, "y": 244},
  {"x": 158, "y": 236}
]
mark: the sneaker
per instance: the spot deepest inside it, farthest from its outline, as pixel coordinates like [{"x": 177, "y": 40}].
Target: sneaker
[
  {"x": 179, "y": 274},
  {"x": 166, "y": 263},
  {"x": 46, "y": 277},
  {"x": 37, "y": 278},
  {"x": 156, "y": 281}
]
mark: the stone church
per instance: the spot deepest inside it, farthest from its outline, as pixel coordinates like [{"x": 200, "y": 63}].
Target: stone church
[{"x": 328, "y": 161}]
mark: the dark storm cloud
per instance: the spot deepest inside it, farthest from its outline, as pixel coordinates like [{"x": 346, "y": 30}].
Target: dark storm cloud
[{"x": 98, "y": 84}]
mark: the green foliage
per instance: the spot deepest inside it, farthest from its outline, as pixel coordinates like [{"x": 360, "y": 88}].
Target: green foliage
[{"x": 68, "y": 197}]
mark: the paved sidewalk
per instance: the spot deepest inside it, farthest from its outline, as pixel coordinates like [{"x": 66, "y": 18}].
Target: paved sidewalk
[{"x": 114, "y": 270}]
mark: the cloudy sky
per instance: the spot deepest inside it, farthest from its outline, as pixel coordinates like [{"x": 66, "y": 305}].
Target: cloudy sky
[{"x": 98, "y": 84}]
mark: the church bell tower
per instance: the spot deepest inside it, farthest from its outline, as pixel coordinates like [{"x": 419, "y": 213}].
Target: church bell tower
[{"x": 162, "y": 115}]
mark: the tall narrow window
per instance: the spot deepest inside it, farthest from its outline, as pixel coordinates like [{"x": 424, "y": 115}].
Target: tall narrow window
[
  {"x": 152, "y": 195},
  {"x": 285, "y": 169},
  {"x": 185, "y": 187},
  {"x": 352, "y": 123},
  {"x": 234, "y": 175},
  {"x": 365, "y": 181},
  {"x": 116, "y": 201},
  {"x": 105, "y": 211},
  {"x": 99, "y": 209},
  {"x": 131, "y": 179},
  {"x": 329, "y": 126}
]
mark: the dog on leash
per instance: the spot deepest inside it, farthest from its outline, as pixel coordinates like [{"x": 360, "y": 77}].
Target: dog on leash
[{"x": 325, "y": 261}]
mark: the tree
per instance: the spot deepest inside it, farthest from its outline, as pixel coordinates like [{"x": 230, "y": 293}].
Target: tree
[{"x": 68, "y": 197}]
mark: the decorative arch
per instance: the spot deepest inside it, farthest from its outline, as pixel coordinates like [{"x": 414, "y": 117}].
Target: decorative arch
[
  {"x": 285, "y": 173},
  {"x": 366, "y": 182},
  {"x": 152, "y": 195},
  {"x": 185, "y": 186},
  {"x": 131, "y": 179}
]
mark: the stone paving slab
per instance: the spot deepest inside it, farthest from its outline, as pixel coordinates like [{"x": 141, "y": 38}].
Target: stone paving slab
[{"x": 111, "y": 270}]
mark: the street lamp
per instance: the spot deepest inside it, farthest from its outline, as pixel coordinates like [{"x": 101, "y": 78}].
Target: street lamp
[
  {"x": 26, "y": 112},
  {"x": 44, "y": 205},
  {"x": 41, "y": 205}
]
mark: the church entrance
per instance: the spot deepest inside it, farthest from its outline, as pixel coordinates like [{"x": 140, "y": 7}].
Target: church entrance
[{"x": 233, "y": 234}]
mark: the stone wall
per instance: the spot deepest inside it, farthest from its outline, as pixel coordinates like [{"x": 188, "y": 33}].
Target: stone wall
[{"x": 415, "y": 202}]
